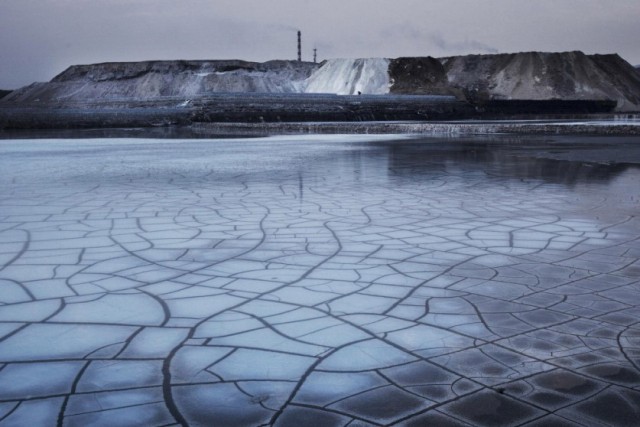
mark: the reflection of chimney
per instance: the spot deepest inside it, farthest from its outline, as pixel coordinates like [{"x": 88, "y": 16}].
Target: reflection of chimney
[{"x": 299, "y": 46}]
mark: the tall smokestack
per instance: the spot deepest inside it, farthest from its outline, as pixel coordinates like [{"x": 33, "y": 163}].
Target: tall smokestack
[{"x": 299, "y": 46}]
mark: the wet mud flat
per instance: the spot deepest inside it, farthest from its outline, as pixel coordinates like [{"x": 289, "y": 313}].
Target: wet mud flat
[{"x": 320, "y": 280}]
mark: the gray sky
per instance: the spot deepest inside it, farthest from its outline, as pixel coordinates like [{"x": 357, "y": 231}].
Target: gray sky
[{"x": 40, "y": 38}]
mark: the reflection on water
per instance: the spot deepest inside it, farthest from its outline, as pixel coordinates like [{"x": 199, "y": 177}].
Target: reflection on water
[
  {"x": 575, "y": 173},
  {"x": 515, "y": 158},
  {"x": 338, "y": 160}
]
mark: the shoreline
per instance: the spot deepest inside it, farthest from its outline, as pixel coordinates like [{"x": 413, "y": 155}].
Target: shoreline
[
  {"x": 324, "y": 113},
  {"x": 621, "y": 128},
  {"x": 596, "y": 126}
]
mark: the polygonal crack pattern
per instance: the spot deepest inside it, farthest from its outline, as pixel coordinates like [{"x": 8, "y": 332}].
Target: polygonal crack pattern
[{"x": 265, "y": 283}]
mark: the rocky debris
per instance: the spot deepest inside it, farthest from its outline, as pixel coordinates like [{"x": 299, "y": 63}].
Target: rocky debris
[
  {"x": 4, "y": 93},
  {"x": 542, "y": 75},
  {"x": 419, "y": 76}
]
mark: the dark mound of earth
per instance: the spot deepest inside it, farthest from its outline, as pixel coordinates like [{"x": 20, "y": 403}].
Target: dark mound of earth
[
  {"x": 545, "y": 76},
  {"x": 418, "y": 76}
]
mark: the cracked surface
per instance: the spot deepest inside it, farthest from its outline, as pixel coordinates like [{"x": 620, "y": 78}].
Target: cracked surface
[{"x": 326, "y": 281}]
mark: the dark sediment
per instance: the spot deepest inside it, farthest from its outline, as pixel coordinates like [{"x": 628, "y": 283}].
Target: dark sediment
[
  {"x": 419, "y": 76},
  {"x": 502, "y": 108},
  {"x": 280, "y": 108},
  {"x": 236, "y": 108},
  {"x": 442, "y": 128}
]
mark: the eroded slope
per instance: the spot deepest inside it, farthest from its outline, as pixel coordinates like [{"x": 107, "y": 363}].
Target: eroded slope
[
  {"x": 541, "y": 75},
  {"x": 153, "y": 79}
]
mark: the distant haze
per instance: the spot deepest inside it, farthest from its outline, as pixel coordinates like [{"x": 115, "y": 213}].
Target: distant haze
[{"x": 41, "y": 38}]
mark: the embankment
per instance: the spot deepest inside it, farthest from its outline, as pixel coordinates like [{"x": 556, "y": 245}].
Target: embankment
[{"x": 164, "y": 93}]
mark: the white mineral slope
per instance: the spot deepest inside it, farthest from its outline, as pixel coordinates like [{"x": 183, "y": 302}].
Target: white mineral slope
[{"x": 368, "y": 76}]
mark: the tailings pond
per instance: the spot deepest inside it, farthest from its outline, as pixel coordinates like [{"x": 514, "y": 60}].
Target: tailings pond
[{"x": 320, "y": 281}]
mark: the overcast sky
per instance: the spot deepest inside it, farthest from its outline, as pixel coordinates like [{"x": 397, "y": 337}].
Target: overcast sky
[{"x": 41, "y": 38}]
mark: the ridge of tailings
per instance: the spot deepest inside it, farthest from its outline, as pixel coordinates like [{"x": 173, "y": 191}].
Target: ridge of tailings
[
  {"x": 533, "y": 76},
  {"x": 545, "y": 76}
]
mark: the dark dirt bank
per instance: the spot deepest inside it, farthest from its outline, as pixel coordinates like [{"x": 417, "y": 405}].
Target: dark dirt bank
[
  {"x": 437, "y": 128},
  {"x": 241, "y": 107},
  {"x": 544, "y": 76}
]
